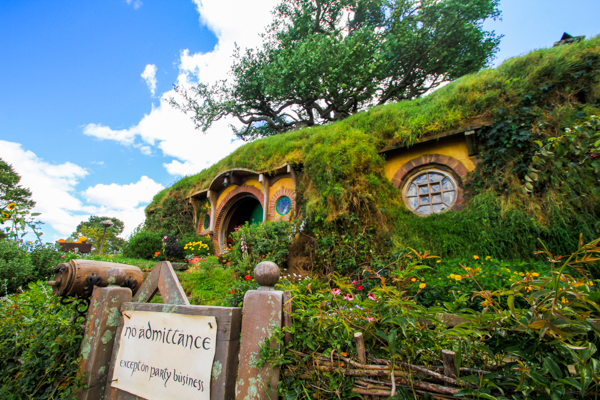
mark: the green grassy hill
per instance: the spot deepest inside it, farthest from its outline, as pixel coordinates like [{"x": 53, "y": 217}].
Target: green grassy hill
[{"x": 530, "y": 98}]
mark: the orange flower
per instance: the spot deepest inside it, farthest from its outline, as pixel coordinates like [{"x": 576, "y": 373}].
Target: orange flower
[
  {"x": 156, "y": 254},
  {"x": 11, "y": 206}
]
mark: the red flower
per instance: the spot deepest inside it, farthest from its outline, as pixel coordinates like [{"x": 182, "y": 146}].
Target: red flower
[
  {"x": 248, "y": 278},
  {"x": 233, "y": 291},
  {"x": 360, "y": 287}
]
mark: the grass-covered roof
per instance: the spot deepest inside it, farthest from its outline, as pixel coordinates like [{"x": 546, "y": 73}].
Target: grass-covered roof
[{"x": 472, "y": 96}]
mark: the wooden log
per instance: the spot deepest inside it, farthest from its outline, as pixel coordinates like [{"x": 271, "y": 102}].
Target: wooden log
[
  {"x": 429, "y": 372},
  {"x": 360, "y": 347},
  {"x": 449, "y": 360}
]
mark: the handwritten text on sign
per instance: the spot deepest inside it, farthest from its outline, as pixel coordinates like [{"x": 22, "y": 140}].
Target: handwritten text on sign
[{"x": 165, "y": 356}]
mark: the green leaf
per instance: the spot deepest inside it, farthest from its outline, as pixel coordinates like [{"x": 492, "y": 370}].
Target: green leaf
[{"x": 553, "y": 368}]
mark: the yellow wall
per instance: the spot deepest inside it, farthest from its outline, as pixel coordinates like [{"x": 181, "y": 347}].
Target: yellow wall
[
  {"x": 454, "y": 146},
  {"x": 282, "y": 183},
  {"x": 224, "y": 193},
  {"x": 255, "y": 183}
]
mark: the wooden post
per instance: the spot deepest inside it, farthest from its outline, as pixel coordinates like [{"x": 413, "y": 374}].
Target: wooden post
[
  {"x": 449, "y": 360},
  {"x": 97, "y": 345},
  {"x": 287, "y": 316},
  {"x": 262, "y": 313},
  {"x": 360, "y": 347}
]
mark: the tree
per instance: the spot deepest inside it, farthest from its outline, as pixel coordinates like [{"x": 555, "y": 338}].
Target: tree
[
  {"x": 11, "y": 191},
  {"x": 93, "y": 230},
  {"x": 15, "y": 206},
  {"x": 323, "y": 60}
]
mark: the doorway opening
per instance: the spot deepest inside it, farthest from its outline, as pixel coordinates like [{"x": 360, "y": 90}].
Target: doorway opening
[{"x": 245, "y": 209}]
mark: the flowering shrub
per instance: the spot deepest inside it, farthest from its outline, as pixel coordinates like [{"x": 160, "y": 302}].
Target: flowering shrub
[
  {"x": 536, "y": 339},
  {"x": 191, "y": 249}
]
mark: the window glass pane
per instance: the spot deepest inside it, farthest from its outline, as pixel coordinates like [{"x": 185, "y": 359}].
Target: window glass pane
[
  {"x": 423, "y": 189},
  {"x": 413, "y": 201},
  {"x": 424, "y": 199},
  {"x": 448, "y": 197},
  {"x": 436, "y": 198},
  {"x": 412, "y": 191},
  {"x": 435, "y": 188},
  {"x": 447, "y": 184},
  {"x": 424, "y": 210},
  {"x": 439, "y": 208},
  {"x": 421, "y": 179},
  {"x": 284, "y": 205},
  {"x": 433, "y": 177}
]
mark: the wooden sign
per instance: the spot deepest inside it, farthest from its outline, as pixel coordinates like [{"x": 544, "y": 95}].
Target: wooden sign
[
  {"x": 224, "y": 367},
  {"x": 164, "y": 356}
]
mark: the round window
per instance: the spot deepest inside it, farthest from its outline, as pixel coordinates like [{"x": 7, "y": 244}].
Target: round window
[
  {"x": 430, "y": 191},
  {"x": 206, "y": 223},
  {"x": 284, "y": 205}
]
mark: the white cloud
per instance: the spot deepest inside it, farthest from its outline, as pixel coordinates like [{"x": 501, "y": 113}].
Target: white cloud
[
  {"x": 136, "y": 3},
  {"x": 53, "y": 190},
  {"x": 123, "y": 197},
  {"x": 171, "y": 131},
  {"x": 51, "y": 185},
  {"x": 126, "y": 202},
  {"x": 149, "y": 76},
  {"x": 124, "y": 136}
]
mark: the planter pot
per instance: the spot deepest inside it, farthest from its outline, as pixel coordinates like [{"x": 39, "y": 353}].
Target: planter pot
[{"x": 76, "y": 247}]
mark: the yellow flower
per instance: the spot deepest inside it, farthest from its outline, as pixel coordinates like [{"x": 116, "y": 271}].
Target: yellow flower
[
  {"x": 11, "y": 206},
  {"x": 414, "y": 279},
  {"x": 5, "y": 215},
  {"x": 422, "y": 285},
  {"x": 458, "y": 277},
  {"x": 30, "y": 242},
  {"x": 535, "y": 274},
  {"x": 476, "y": 257},
  {"x": 438, "y": 261},
  {"x": 452, "y": 276},
  {"x": 564, "y": 300},
  {"x": 458, "y": 291},
  {"x": 591, "y": 283}
]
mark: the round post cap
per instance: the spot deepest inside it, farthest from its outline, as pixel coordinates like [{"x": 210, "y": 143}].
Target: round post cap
[{"x": 266, "y": 273}]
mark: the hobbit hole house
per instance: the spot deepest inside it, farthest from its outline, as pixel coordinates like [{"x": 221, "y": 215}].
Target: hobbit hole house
[{"x": 429, "y": 176}]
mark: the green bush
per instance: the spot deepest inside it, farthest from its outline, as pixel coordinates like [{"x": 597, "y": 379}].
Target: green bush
[
  {"x": 39, "y": 346},
  {"x": 24, "y": 263},
  {"x": 254, "y": 243},
  {"x": 143, "y": 245}
]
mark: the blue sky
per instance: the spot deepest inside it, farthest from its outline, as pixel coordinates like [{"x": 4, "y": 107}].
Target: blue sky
[{"x": 83, "y": 123}]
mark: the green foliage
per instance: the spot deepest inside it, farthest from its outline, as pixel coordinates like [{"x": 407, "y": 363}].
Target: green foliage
[
  {"x": 345, "y": 245},
  {"x": 93, "y": 231},
  {"x": 254, "y": 243},
  {"x": 175, "y": 217},
  {"x": 143, "y": 245},
  {"x": 24, "y": 263},
  {"x": 239, "y": 288},
  {"x": 39, "y": 346},
  {"x": 526, "y": 336},
  {"x": 324, "y": 60},
  {"x": 207, "y": 282},
  {"x": 11, "y": 191}
]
